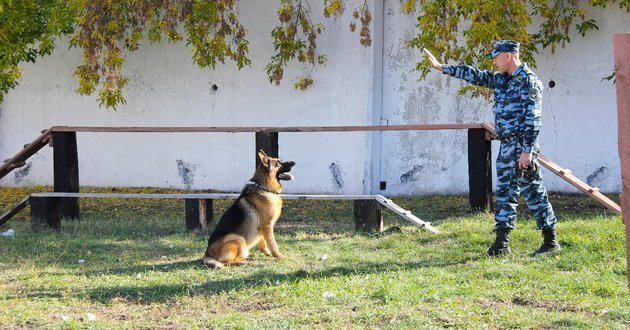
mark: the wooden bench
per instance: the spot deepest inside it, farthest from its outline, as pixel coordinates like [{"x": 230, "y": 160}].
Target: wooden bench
[{"x": 368, "y": 209}]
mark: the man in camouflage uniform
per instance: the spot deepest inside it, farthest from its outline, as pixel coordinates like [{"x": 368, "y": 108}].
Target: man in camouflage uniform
[{"x": 517, "y": 111}]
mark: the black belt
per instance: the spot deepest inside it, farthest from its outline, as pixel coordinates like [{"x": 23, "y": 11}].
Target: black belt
[{"x": 509, "y": 138}]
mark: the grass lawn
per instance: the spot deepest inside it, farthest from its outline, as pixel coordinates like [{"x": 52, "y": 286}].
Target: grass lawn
[{"x": 131, "y": 264}]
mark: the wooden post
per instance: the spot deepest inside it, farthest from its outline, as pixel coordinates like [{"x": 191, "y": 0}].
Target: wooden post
[
  {"x": 66, "y": 172},
  {"x": 268, "y": 142},
  {"x": 479, "y": 170},
  {"x": 368, "y": 216},
  {"x": 198, "y": 214},
  {"x": 45, "y": 210},
  {"x": 622, "y": 65}
]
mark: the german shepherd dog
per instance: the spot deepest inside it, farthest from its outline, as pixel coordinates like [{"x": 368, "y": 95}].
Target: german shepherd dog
[{"x": 250, "y": 220}]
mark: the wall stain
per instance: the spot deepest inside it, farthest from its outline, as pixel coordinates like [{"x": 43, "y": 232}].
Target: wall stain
[
  {"x": 186, "y": 173},
  {"x": 598, "y": 177},
  {"x": 337, "y": 176},
  {"x": 411, "y": 175},
  {"x": 22, "y": 172}
]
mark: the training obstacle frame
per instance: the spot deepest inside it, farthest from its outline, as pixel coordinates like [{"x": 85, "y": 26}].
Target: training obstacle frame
[
  {"x": 368, "y": 212},
  {"x": 198, "y": 211}
]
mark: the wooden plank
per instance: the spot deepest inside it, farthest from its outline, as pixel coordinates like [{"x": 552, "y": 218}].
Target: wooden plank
[
  {"x": 199, "y": 196},
  {"x": 140, "y": 196},
  {"x": 388, "y": 203},
  {"x": 413, "y": 127},
  {"x": 327, "y": 197},
  {"x": 573, "y": 180},
  {"x": 14, "y": 210},
  {"x": 25, "y": 153}
]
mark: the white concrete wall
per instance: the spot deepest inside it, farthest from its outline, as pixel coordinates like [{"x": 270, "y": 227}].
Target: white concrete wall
[
  {"x": 580, "y": 112},
  {"x": 167, "y": 89}
]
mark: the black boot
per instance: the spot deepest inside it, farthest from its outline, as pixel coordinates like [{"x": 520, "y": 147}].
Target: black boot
[
  {"x": 550, "y": 242},
  {"x": 500, "y": 245}
]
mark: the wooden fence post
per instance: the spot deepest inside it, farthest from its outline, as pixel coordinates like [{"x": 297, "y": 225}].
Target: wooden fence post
[
  {"x": 479, "y": 170},
  {"x": 199, "y": 213},
  {"x": 621, "y": 47},
  {"x": 268, "y": 142},
  {"x": 66, "y": 172},
  {"x": 368, "y": 216},
  {"x": 45, "y": 210}
]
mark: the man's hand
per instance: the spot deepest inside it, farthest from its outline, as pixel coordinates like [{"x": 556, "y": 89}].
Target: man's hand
[
  {"x": 432, "y": 60},
  {"x": 525, "y": 160}
]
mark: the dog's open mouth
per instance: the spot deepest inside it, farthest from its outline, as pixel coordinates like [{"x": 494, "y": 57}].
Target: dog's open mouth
[{"x": 283, "y": 173}]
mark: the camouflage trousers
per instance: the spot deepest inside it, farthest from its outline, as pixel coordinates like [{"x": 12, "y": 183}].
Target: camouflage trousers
[{"x": 510, "y": 181}]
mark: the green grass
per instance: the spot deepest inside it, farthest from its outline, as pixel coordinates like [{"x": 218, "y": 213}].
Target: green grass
[{"x": 141, "y": 270}]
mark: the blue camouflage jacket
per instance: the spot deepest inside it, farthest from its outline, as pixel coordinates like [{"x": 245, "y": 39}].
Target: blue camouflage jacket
[{"x": 517, "y": 101}]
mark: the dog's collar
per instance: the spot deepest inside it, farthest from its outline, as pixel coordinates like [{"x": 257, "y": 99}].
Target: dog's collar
[{"x": 261, "y": 187}]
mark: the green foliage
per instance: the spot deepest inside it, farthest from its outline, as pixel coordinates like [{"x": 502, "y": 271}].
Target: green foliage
[
  {"x": 28, "y": 29},
  {"x": 108, "y": 28},
  {"x": 295, "y": 38},
  {"x": 442, "y": 23}
]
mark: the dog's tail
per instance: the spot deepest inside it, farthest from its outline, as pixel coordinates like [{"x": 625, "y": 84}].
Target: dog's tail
[{"x": 211, "y": 263}]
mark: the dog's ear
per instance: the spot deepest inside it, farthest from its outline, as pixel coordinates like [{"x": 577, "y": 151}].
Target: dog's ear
[{"x": 263, "y": 158}]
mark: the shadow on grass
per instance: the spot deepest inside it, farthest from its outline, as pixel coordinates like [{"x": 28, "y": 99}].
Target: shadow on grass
[
  {"x": 153, "y": 250},
  {"x": 165, "y": 292}
]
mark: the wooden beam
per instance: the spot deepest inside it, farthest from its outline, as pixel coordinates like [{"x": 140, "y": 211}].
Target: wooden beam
[
  {"x": 413, "y": 127},
  {"x": 388, "y": 203},
  {"x": 581, "y": 185},
  {"x": 14, "y": 210},
  {"x": 267, "y": 142},
  {"x": 479, "y": 170},
  {"x": 368, "y": 216},
  {"x": 622, "y": 65},
  {"x": 45, "y": 210},
  {"x": 66, "y": 171},
  {"x": 200, "y": 196}
]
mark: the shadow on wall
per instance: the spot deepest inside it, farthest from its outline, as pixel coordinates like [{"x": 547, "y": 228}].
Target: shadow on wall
[
  {"x": 186, "y": 173},
  {"x": 598, "y": 177},
  {"x": 337, "y": 175},
  {"x": 20, "y": 174},
  {"x": 411, "y": 175}
]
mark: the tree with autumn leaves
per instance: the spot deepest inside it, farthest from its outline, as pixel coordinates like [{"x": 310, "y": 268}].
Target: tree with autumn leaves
[{"x": 460, "y": 30}]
